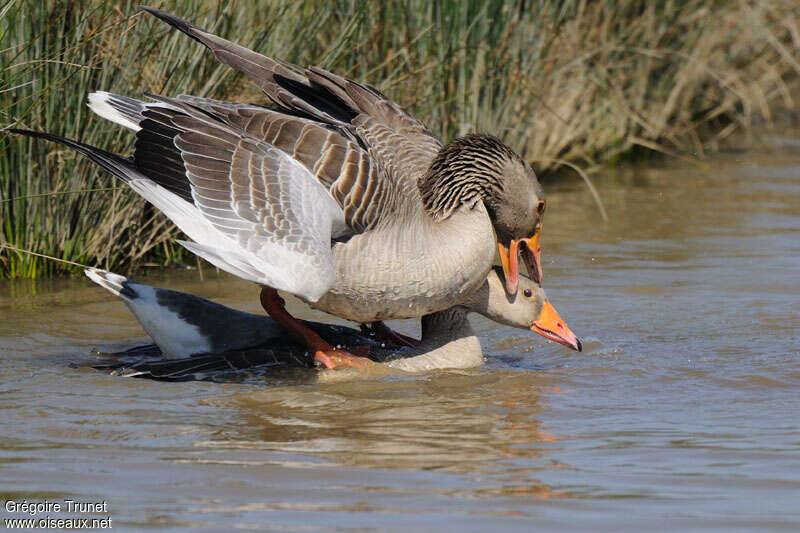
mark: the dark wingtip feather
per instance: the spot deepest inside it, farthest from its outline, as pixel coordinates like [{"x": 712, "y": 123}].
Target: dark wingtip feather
[
  {"x": 118, "y": 165},
  {"x": 176, "y": 22},
  {"x": 80, "y": 147},
  {"x": 34, "y": 133}
]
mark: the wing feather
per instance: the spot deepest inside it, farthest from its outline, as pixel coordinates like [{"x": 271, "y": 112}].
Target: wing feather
[
  {"x": 267, "y": 202},
  {"x": 402, "y": 146},
  {"x": 250, "y": 207},
  {"x": 352, "y": 174},
  {"x": 329, "y": 153}
]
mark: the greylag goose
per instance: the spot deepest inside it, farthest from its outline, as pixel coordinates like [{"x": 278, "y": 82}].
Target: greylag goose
[
  {"x": 337, "y": 196},
  {"x": 471, "y": 169},
  {"x": 200, "y": 335}
]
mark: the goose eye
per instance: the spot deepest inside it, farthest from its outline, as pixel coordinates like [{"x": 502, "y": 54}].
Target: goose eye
[
  {"x": 528, "y": 293},
  {"x": 540, "y": 207}
]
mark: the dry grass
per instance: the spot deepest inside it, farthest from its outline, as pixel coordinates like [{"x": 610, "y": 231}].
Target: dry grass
[{"x": 578, "y": 81}]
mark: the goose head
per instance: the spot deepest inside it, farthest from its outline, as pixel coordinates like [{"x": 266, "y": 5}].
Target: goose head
[
  {"x": 480, "y": 167},
  {"x": 528, "y": 309},
  {"x": 517, "y": 214}
]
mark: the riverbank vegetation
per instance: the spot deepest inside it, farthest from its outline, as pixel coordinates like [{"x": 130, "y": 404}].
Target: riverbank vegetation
[{"x": 573, "y": 81}]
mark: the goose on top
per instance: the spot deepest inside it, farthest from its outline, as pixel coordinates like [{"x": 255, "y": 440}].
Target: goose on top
[{"x": 337, "y": 195}]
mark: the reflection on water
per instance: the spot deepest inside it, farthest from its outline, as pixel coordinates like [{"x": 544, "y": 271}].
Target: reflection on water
[
  {"x": 463, "y": 425},
  {"x": 681, "y": 412}
]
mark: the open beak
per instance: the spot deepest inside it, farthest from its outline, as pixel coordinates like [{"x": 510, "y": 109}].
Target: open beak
[
  {"x": 509, "y": 259},
  {"x": 551, "y": 326},
  {"x": 532, "y": 255}
]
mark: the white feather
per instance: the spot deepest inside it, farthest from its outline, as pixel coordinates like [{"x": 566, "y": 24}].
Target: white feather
[
  {"x": 229, "y": 237},
  {"x": 98, "y": 102},
  {"x": 109, "y": 281},
  {"x": 272, "y": 265},
  {"x": 184, "y": 214}
]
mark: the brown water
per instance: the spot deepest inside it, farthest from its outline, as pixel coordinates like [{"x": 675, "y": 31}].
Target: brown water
[{"x": 681, "y": 414}]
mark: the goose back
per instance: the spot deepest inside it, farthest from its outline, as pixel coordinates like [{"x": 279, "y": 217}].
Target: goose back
[{"x": 402, "y": 145}]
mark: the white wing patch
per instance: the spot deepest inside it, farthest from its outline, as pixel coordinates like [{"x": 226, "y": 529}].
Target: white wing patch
[
  {"x": 277, "y": 217},
  {"x": 246, "y": 249}
]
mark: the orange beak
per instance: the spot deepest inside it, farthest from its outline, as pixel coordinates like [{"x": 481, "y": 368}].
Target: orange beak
[
  {"x": 532, "y": 254},
  {"x": 509, "y": 259},
  {"x": 551, "y": 326}
]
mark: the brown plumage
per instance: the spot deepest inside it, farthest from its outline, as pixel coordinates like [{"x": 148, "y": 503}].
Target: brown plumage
[
  {"x": 403, "y": 147},
  {"x": 338, "y": 195}
]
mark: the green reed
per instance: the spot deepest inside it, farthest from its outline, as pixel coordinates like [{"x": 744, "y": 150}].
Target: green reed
[{"x": 561, "y": 81}]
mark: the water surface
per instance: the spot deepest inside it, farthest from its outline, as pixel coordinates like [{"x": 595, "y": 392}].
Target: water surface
[{"x": 681, "y": 413}]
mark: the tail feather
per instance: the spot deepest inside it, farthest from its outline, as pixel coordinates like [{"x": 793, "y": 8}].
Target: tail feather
[
  {"x": 120, "y": 110},
  {"x": 156, "y": 155},
  {"x": 123, "y": 110},
  {"x": 114, "y": 283}
]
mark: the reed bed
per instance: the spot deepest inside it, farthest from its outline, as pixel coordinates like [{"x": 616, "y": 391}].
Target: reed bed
[{"x": 573, "y": 82}]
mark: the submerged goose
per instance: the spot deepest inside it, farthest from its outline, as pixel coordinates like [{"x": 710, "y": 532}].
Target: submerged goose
[
  {"x": 194, "y": 334},
  {"x": 337, "y": 196}
]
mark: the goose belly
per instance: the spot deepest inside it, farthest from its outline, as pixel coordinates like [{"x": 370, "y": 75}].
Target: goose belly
[{"x": 410, "y": 271}]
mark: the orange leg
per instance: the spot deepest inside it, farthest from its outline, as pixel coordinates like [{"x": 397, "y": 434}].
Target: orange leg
[
  {"x": 324, "y": 354},
  {"x": 381, "y": 332}
]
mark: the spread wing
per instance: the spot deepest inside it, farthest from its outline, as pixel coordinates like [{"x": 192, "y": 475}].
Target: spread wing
[
  {"x": 352, "y": 176},
  {"x": 278, "y": 217},
  {"x": 401, "y": 144},
  {"x": 349, "y": 171},
  {"x": 250, "y": 208}
]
